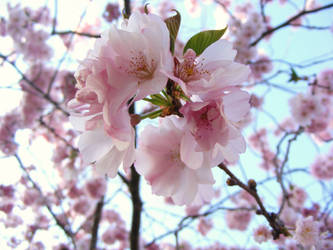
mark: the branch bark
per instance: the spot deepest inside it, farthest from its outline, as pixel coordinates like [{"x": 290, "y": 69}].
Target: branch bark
[
  {"x": 134, "y": 183},
  {"x": 272, "y": 218},
  {"x": 65, "y": 227},
  {"x": 97, "y": 219},
  {"x": 289, "y": 21}
]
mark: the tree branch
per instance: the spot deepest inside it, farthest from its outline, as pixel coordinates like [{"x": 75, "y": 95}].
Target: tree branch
[
  {"x": 97, "y": 219},
  {"x": 289, "y": 21},
  {"x": 32, "y": 84},
  {"x": 71, "y": 32},
  {"x": 134, "y": 183},
  {"x": 67, "y": 230},
  {"x": 272, "y": 218}
]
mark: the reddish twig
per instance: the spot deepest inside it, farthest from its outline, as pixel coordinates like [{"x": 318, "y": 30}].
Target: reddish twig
[{"x": 273, "y": 220}]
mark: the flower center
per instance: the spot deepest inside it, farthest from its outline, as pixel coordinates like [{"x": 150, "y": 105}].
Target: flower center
[
  {"x": 190, "y": 69},
  {"x": 140, "y": 67}
]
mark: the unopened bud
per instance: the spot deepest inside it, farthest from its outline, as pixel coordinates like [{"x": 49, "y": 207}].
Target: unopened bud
[
  {"x": 135, "y": 120},
  {"x": 258, "y": 212},
  {"x": 273, "y": 216},
  {"x": 252, "y": 184},
  {"x": 231, "y": 182}
]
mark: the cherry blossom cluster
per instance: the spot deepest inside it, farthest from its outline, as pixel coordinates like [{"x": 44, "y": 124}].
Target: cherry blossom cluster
[
  {"x": 259, "y": 142},
  {"x": 9, "y": 124},
  {"x": 241, "y": 218},
  {"x": 309, "y": 227},
  {"x": 246, "y": 26},
  {"x": 22, "y": 26},
  {"x": 312, "y": 110},
  {"x": 322, "y": 168},
  {"x": 33, "y": 105},
  {"x": 111, "y": 12},
  {"x": 200, "y": 129}
]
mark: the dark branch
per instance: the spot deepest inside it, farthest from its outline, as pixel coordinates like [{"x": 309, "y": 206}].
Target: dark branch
[
  {"x": 64, "y": 227},
  {"x": 71, "y": 32},
  {"x": 53, "y": 131},
  {"x": 97, "y": 219},
  {"x": 289, "y": 21},
  {"x": 32, "y": 84},
  {"x": 137, "y": 209},
  {"x": 272, "y": 218}
]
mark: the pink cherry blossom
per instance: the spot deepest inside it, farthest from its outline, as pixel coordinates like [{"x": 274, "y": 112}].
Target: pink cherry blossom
[
  {"x": 214, "y": 71},
  {"x": 111, "y": 216},
  {"x": 143, "y": 60},
  {"x": 238, "y": 220},
  {"x": 172, "y": 169},
  {"x": 262, "y": 234},
  {"x": 306, "y": 108},
  {"x": 29, "y": 40},
  {"x": 297, "y": 197},
  {"x": 212, "y": 130},
  {"x": 74, "y": 192},
  {"x": 307, "y": 231},
  {"x": 325, "y": 81},
  {"x": 322, "y": 168},
  {"x": 82, "y": 206},
  {"x": 292, "y": 245},
  {"x": 9, "y": 124},
  {"x": 116, "y": 71},
  {"x": 108, "y": 236},
  {"x": 245, "y": 29},
  {"x": 289, "y": 216},
  {"x": 96, "y": 188},
  {"x": 261, "y": 66},
  {"x": 205, "y": 225},
  {"x": 32, "y": 197},
  {"x": 111, "y": 12},
  {"x": 105, "y": 152},
  {"x": 165, "y": 8},
  {"x": 255, "y": 101}
]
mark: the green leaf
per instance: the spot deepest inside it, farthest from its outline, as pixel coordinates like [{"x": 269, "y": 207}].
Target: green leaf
[
  {"x": 173, "y": 24},
  {"x": 294, "y": 76},
  {"x": 152, "y": 115},
  {"x": 200, "y": 41},
  {"x": 157, "y": 99}
]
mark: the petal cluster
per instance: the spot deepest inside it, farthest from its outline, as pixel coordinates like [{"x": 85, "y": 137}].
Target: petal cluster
[
  {"x": 202, "y": 93},
  {"x": 126, "y": 64},
  {"x": 175, "y": 156},
  {"x": 164, "y": 158}
]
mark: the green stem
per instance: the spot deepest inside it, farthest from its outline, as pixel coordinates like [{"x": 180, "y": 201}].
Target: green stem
[{"x": 151, "y": 114}]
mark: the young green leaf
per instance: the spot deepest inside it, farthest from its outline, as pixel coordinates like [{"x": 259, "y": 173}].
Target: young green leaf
[
  {"x": 200, "y": 41},
  {"x": 157, "y": 99},
  {"x": 173, "y": 24},
  {"x": 294, "y": 76}
]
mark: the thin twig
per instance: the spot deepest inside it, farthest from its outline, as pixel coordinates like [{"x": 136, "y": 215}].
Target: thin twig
[
  {"x": 67, "y": 230},
  {"x": 279, "y": 168},
  {"x": 289, "y": 21},
  {"x": 33, "y": 85},
  {"x": 272, "y": 218},
  {"x": 71, "y": 32},
  {"x": 97, "y": 219},
  {"x": 53, "y": 131}
]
